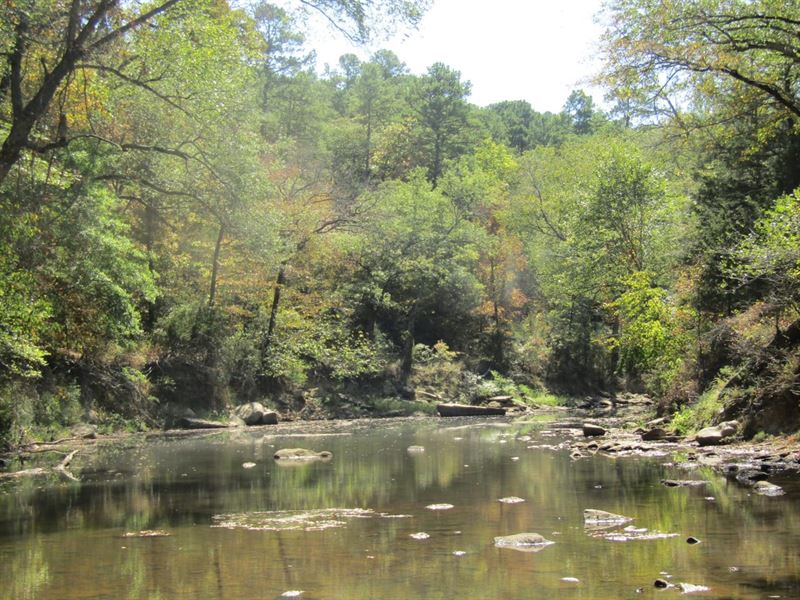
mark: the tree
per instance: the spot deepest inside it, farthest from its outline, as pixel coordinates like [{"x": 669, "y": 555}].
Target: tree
[
  {"x": 661, "y": 52},
  {"x": 60, "y": 37},
  {"x": 771, "y": 255},
  {"x": 439, "y": 102},
  {"x": 579, "y": 112},
  {"x": 594, "y": 213},
  {"x": 415, "y": 266},
  {"x": 517, "y": 119},
  {"x": 480, "y": 185}
]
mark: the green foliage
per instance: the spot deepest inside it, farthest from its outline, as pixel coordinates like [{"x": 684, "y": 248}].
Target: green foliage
[
  {"x": 648, "y": 342},
  {"x": 323, "y": 347},
  {"x": 693, "y": 417},
  {"x": 771, "y": 253},
  {"x": 23, "y": 317}
]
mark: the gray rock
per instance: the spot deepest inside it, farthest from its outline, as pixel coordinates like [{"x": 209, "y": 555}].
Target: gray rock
[
  {"x": 765, "y": 488},
  {"x": 593, "y": 430},
  {"x": 251, "y": 413},
  {"x": 711, "y": 436}
]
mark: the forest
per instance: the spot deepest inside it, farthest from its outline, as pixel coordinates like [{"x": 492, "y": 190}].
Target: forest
[{"x": 193, "y": 216}]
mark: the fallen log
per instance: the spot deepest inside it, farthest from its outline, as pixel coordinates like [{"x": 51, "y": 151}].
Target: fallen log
[{"x": 468, "y": 410}]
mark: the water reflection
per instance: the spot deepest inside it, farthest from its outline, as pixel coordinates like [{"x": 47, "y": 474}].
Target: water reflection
[{"x": 67, "y": 540}]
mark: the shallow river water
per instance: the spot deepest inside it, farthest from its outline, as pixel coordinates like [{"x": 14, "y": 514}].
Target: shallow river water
[{"x": 351, "y": 528}]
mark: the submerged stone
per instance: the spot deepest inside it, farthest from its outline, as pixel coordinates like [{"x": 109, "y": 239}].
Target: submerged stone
[
  {"x": 683, "y": 482},
  {"x": 524, "y": 542},
  {"x": 147, "y": 533},
  {"x": 295, "y": 520},
  {"x": 511, "y": 500},
  {"x": 593, "y": 516},
  {"x": 301, "y": 454}
]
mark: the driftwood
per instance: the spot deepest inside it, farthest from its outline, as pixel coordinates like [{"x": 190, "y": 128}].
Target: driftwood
[
  {"x": 60, "y": 468},
  {"x": 430, "y": 395},
  {"x": 468, "y": 410}
]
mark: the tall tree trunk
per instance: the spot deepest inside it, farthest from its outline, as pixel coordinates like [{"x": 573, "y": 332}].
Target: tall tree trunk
[
  {"x": 276, "y": 300},
  {"x": 368, "y": 143},
  {"x": 408, "y": 345},
  {"x": 212, "y": 292},
  {"x": 149, "y": 236}
]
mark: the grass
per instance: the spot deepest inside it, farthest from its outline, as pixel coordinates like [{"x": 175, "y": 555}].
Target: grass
[
  {"x": 692, "y": 418},
  {"x": 545, "y": 399}
]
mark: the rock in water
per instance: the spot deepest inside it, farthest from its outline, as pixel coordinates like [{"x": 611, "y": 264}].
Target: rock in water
[
  {"x": 301, "y": 454},
  {"x": 525, "y": 542},
  {"x": 765, "y": 488},
  {"x": 592, "y": 516},
  {"x": 593, "y": 430}
]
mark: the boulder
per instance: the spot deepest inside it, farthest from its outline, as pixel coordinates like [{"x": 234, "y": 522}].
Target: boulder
[
  {"x": 711, "y": 436},
  {"x": 254, "y": 413},
  {"x": 593, "y": 430}
]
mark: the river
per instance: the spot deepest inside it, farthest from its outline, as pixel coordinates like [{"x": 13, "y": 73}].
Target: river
[{"x": 214, "y": 516}]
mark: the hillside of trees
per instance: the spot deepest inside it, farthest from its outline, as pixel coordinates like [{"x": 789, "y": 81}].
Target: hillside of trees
[{"x": 194, "y": 216}]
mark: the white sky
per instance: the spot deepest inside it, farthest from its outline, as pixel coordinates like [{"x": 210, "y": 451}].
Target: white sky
[{"x": 534, "y": 50}]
